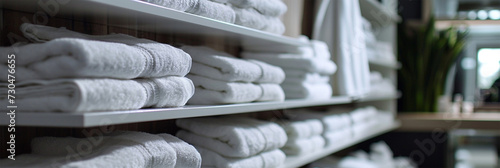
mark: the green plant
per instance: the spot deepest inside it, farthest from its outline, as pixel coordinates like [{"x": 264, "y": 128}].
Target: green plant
[{"x": 426, "y": 55}]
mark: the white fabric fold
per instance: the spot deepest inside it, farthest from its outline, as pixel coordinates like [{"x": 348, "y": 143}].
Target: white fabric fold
[
  {"x": 85, "y": 95},
  {"x": 181, "y": 5},
  {"x": 304, "y": 145},
  {"x": 271, "y": 92},
  {"x": 213, "y": 10},
  {"x": 187, "y": 155},
  {"x": 291, "y": 61},
  {"x": 269, "y": 159},
  {"x": 307, "y": 91},
  {"x": 232, "y": 136},
  {"x": 251, "y": 18},
  {"x": 265, "y": 7},
  {"x": 210, "y": 91},
  {"x": 302, "y": 129}
]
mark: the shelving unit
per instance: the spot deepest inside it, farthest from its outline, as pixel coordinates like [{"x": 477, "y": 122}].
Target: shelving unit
[
  {"x": 300, "y": 160},
  {"x": 448, "y": 121}
]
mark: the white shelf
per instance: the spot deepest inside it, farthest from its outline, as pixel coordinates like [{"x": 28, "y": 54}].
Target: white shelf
[
  {"x": 383, "y": 64},
  {"x": 300, "y": 160},
  {"x": 159, "y": 19},
  {"x": 143, "y": 115},
  {"x": 378, "y": 14},
  {"x": 379, "y": 97}
]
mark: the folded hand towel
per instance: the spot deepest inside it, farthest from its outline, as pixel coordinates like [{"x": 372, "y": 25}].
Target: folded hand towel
[
  {"x": 375, "y": 77},
  {"x": 338, "y": 136},
  {"x": 73, "y": 58},
  {"x": 268, "y": 159},
  {"x": 270, "y": 73},
  {"x": 271, "y": 92},
  {"x": 304, "y": 145},
  {"x": 315, "y": 49},
  {"x": 122, "y": 149},
  {"x": 291, "y": 61},
  {"x": 181, "y": 5},
  {"x": 83, "y": 95},
  {"x": 312, "y": 78},
  {"x": 307, "y": 91},
  {"x": 232, "y": 136},
  {"x": 213, "y": 10},
  {"x": 265, "y": 7},
  {"x": 302, "y": 129},
  {"x": 210, "y": 91},
  {"x": 187, "y": 155},
  {"x": 251, "y": 18},
  {"x": 332, "y": 120}
]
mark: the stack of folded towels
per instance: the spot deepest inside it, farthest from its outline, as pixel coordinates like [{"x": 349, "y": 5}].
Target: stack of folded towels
[
  {"x": 234, "y": 141},
  {"x": 307, "y": 69},
  {"x": 120, "y": 149},
  {"x": 337, "y": 125},
  {"x": 363, "y": 119},
  {"x": 304, "y": 136},
  {"x": 258, "y": 14},
  {"x": 380, "y": 86},
  {"x": 73, "y": 72},
  {"x": 220, "y": 78},
  {"x": 376, "y": 49}
]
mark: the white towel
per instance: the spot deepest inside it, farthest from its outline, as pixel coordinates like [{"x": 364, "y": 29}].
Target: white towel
[
  {"x": 210, "y": 91},
  {"x": 332, "y": 120},
  {"x": 84, "y": 95},
  {"x": 181, "y": 5},
  {"x": 302, "y": 129},
  {"x": 299, "y": 76},
  {"x": 251, "y": 18},
  {"x": 187, "y": 155},
  {"x": 73, "y": 58},
  {"x": 271, "y": 92},
  {"x": 383, "y": 87},
  {"x": 304, "y": 145},
  {"x": 268, "y": 159},
  {"x": 338, "y": 136},
  {"x": 222, "y": 66},
  {"x": 213, "y": 10},
  {"x": 232, "y": 136},
  {"x": 291, "y": 61},
  {"x": 264, "y": 7},
  {"x": 307, "y": 91},
  {"x": 122, "y": 149},
  {"x": 315, "y": 49}
]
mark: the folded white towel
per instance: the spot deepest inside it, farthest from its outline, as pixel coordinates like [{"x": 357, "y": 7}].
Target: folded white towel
[
  {"x": 375, "y": 77},
  {"x": 268, "y": 159},
  {"x": 332, "y": 120},
  {"x": 304, "y": 145},
  {"x": 383, "y": 87},
  {"x": 338, "y": 136},
  {"x": 249, "y": 17},
  {"x": 73, "y": 58},
  {"x": 213, "y": 10},
  {"x": 315, "y": 49},
  {"x": 291, "y": 61},
  {"x": 271, "y": 92},
  {"x": 222, "y": 66},
  {"x": 307, "y": 91},
  {"x": 232, "y": 136},
  {"x": 83, "y": 95},
  {"x": 210, "y": 91},
  {"x": 187, "y": 155},
  {"x": 302, "y": 129},
  {"x": 181, "y": 5},
  {"x": 265, "y": 7},
  {"x": 122, "y": 149}
]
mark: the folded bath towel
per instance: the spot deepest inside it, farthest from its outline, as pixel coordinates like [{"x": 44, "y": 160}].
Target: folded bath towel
[
  {"x": 265, "y": 7},
  {"x": 307, "y": 91},
  {"x": 187, "y": 155},
  {"x": 181, "y": 5},
  {"x": 271, "y": 92},
  {"x": 269, "y": 159},
  {"x": 302, "y": 129},
  {"x": 291, "y": 61},
  {"x": 304, "y": 145},
  {"x": 312, "y": 78},
  {"x": 210, "y": 91},
  {"x": 83, "y": 95},
  {"x": 251, "y": 18},
  {"x": 332, "y": 120},
  {"x": 213, "y": 10},
  {"x": 121, "y": 149},
  {"x": 338, "y": 136},
  {"x": 232, "y": 136},
  {"x": 270, "y": 73},
  {"x": 74, "y": 58},
  {"x": 315, "y": 49}
]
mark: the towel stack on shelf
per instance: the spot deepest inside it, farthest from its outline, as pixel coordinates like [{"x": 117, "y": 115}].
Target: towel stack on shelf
[
  {"x": 221, "y": 78},
  {"x": 375, "y": 49},
  {"x": 379, "y": 86},
  {"x": 307, "y": 68},
  {"x": 259, "y": 14},
  {"x": 74, "y": 72},
  {"x": 119, "y": 149},
  {"x": 363, "y": 119},
  {"x": 205, "y": 8},
  {"x": 304, "y": 136},
  {"x": 234, "y": 141}
]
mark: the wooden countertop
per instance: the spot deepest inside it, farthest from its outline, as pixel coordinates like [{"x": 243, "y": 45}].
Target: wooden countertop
[{"x": 448, "y": 121}]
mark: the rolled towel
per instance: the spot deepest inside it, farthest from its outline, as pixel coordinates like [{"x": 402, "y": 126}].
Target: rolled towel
[
  {"x": 181, "y": 5},
  {"x": 304, "y": 145},
  {"x": 251, "y": 18},
  {"x": 232, "y": 136},
  {"x": 213, "y": 10},
  {"x": 84, "y": 95},
  {"x": 291, "y": 61},
  {"x": 307, "y": 91},
  {"x": 210, "y": 91},
  {"x": 187, "y": 155},
  {"x": 265, "y": 7},
  {"x": 222, "y": 66},
  {"x": 269, "y": 159},
  {"x": 302, "y": 129},
  {"x": 74, "y": 58}
]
